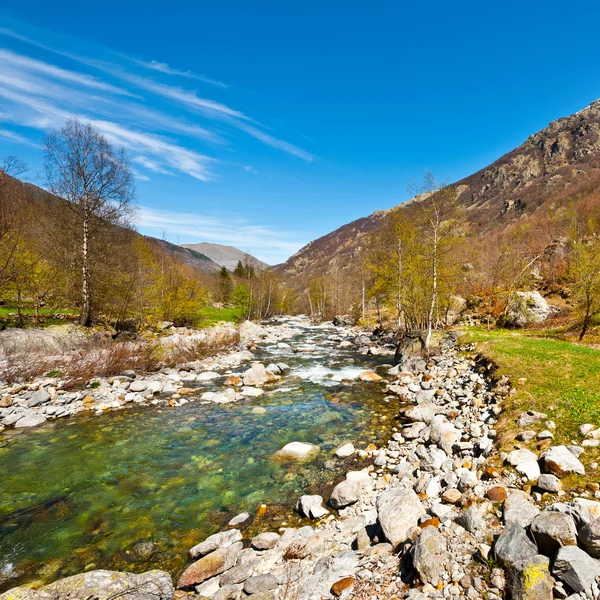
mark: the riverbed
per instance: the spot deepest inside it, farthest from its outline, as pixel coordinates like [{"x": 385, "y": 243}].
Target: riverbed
[{"x": 134, "y": 489}]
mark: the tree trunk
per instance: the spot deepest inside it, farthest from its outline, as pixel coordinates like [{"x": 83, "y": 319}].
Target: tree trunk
[
  {"x": 433, "y": 294},
  {"x": 85, "y": 317},
  {"x": 20, "y": 321},
  {"x": 584, "y": 328}
]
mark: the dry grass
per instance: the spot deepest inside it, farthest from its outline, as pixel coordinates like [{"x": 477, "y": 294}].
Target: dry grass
[{"x": 102, "y": 358}]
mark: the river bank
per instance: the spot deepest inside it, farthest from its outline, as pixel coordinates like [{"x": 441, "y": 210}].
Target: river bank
[{"x": 434, "y": 512}]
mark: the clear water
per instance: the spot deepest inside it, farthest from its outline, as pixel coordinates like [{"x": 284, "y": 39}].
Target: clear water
[{"x": 80, "y": 494}]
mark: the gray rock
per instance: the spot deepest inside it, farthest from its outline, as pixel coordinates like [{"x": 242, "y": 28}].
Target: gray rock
[
  {"x": 239, "y": 519},
  {"x": 398, "y": 511},
  {"x": 471, "y": 519},
  {"x": 38, "y": 398},
  {"x": 519, "y": 508},
  {"x": 552, "y": 530},
  {"x": 308, "y": 506},
  {"x": 429, "y": 555},
  {"x": 265, "y": 541},
  {"x": 576, "y": 568},
  {"x": 443, "y": 433},
  {"x": 560, "y": 461},
  {"x": 209, "y": 566},
  {"x": 237, "y": 574},
  {"x": 589, "y": 538},
  {"x": 137, "y": 386},
  {"x": 259, "y": 584},
  {"x": 228, "y": 592},
  {"x": 513, "y": 545},
  {"x": 344, "y": 494},
  {"x": 530, "y": 579},
  {"x": 549, "y": 483},
  {"x": 526, "y": 308},
  {"x": 30, "y": 420},
  {"x": 223, "y": 539}
]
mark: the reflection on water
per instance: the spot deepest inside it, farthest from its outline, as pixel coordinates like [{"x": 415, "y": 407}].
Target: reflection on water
[{"x": 85, "y": 493}]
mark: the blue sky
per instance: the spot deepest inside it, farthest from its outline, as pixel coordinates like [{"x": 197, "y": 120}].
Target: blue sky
[{"x": 265, "y": 125}]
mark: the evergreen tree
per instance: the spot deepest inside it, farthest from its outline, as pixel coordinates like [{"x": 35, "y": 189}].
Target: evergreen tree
[{"x": 225, "y": 285}]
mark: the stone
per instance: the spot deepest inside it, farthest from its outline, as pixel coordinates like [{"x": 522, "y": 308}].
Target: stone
[
  {"x": 423, "y": 413},
  {"x": 239, "y": 519},
  {"x": 513, "y": 545},
  {"x": 297, "y": 451},
  {"x": 38, "y": 398},
  {"x": 233, "y": 380},
  {"x": 497, "y": 494},
  {"x": 30, "y": 420},
  {"x": 259, "y": 584},
  {"x": 369, "y": 376},
  {"x": 517, "y": 457},
  {"x": 398, "y": 511},
  {"x": 137, "y": 386},
  {"x": 342, "y": 585},
  {"x": 101, "y": 585},
  {"x": 529, "y": 417},
  {"x": 552, "y": 530},
  {"x": 576, "y": 568},
  {"x": 209, "y": 566},
  {"x": 530, "y": 579},
  {"x": 443, "y": 433},
  {"x": 265, "y": 541},
  {"x": 452, "y": 496},
  {"x": 344, "y": 494},
  {"x": 223, "y": 539},
  {"x": 257, "y": 375},
  {"x": 524, "y": 309},
  {"x": 549, "y": 483},
  {"x": 559, "y": 461},
  {"x": 251, "y": 392},
  {"x": 589, "y": 538},
  {"x": 208, "y": 588},
  {"x": 345, "y": 451},
  {"x": 519, "y": 508},
  {"x": 471, "y": 519},
  {"x": 311, "y": 506},
  {"x": 429, "y": 555},
  {"x": 586, "y": 428}
]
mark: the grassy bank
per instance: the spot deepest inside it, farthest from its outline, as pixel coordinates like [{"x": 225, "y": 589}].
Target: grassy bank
[{"x": 211, "y": 315}]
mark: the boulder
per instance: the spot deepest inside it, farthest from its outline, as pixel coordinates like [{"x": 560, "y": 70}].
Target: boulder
[
  {"x": 297, "y": 451},
  {"x": 265, "y": 541},
  {"x": 552, "y": 530},
  {"x": 101, "y": 585},
  {"x": 344, "y": 321},
  {"x": 38, "y": 398},
  {"x": 524, "y": 309},
  {"x": 345, "y": 451},
  {"x": 369, "y": 376},
  {"x": 429, "y": 555},
  {"x": 549, "y": 483},
  {"x": 311, "y": 507},
  {"x": 519, "y": 508},
  {"x": 589, "y": 538},
  {"x": 471, "y": 519},
  {"x": 560, "y": 461},
  {"x": 208, "y": 566},
  {"x": 530, "y": 579},
  {"x": 344, "y": 494},
  {"x": 223, "y": 539},
  {"x": 513, "y": 545},
  {"x": 423, "y": 413},
  {"x": 257, "y": 375},
  {"x": 443, "y": 433},
  {"x": 251, "y": 332},
  {"x": 576, "y": 568},
  {"x": 398, "y": 511},
  {"x": 30, "y": 420},
  {"x": 259, "y": 584}
]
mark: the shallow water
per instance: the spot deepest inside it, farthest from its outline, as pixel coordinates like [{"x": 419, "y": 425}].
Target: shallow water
[{"x": 80, "y": 493}]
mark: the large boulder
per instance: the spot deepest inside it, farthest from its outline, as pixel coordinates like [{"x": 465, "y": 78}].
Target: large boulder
[
  {"x": 524, "y": 309},
  {"x": 576, "y": 568},
  {"x": 513, "y": 545},
  {"x": 297, "y": 451},
  {"x": 101, "y": 585},
  {"x": 208, "y": 566},
  {"x": 398, "y": 511},
  {"x": 519, "y": 508},
  {"x": 223, "y": 539},
  {"x": 443, "y": 433},
  {"x": 530, "y": 579},
  {"x": 257, "y": 375},
  {"x": 429, "y": 555},
  {"x": 589, "y": 538},
  {"x": 552, "y": 530},
  {"x": 560, "y": 461},
  {"x": 345, "y": 493},
  {"x": 251, "y": 332}
]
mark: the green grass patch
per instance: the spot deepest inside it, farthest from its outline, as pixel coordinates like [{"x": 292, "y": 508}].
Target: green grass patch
[
  {"x": 211, "y": 315},
  {"x": 562, "y": 379},
  {"x": 12, "y": 310}
]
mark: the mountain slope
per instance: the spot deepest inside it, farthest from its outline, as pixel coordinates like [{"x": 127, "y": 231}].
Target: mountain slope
[
  {"x": 225, "y": 256},
  {"x": 551, "y": 166}
]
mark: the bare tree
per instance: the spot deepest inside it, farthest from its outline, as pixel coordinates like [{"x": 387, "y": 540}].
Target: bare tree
[{"x": 96, "y": 182}]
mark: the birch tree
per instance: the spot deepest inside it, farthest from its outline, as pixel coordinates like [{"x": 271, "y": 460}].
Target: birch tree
[{"x": 96, "y": 182}]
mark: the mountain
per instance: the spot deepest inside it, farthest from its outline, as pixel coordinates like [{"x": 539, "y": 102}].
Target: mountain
[
  {"x": 225, "y": 256},
  {"x": 553, "y": 166}
]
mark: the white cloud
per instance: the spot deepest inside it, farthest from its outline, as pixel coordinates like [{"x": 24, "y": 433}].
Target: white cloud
[
  {"x": 154, "y": 65},
  {"x": 265, "y": 243},
  {"x": 19, "y": 139}
]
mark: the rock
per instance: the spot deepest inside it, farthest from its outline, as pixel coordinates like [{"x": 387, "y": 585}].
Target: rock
[
  {"x": 297, "y": 451},
  {"x": 345, "y": 451},
  {"x": 257, "y": 375},
  {"x": 560, "y": 461},
  {"x": 443, "y": 433},
  {"x": 529, "y": 417},
  {"x": 311, "y": 507},
  {"x": 342, "y": 585},
  {"x": 513, "y": 545},
  {"x": 589, "y": 538},
  {"x": 518, "y": 508},
  {"x": 101, "y": 585},
  {"x": 423, "y": 413},
  {"x": 344, "y": 321},
  {"x": 224, "y": 539},
  {"x": 575, "y": 568},
  {"x": 552, "y": 530},
  {"x": 369, "y": 376},
  {"x": 239, "y": 519},
  {"x": 398, "y": 511},
  {"x": 251, "y": 392},
  {"x": 517, "y": 457},
  {"x": 525, "y": 308},
  {"x": 471, "y": 519},
  {"x": 429, "y": 555},
  {"x": 344, "y": 494},
  {"x": 452, "y": 496},
  {"x": 549, "y": 483},
  {"x": 265, "y": 541},
  {"x": 233, "y": 380},
  {"x": 137, "y": 386},
  {"x": 212, "y": 564},
  {"x": 530, "y": 579},
  {"x": 251, "y": 332},
  {"x": 29, "y": 419},
  {"x": 208, "y": 588},
  {"x": 497, "y": 494},
  {"x": 38, "y": 398},
  {"x": 259, "y": 584}
]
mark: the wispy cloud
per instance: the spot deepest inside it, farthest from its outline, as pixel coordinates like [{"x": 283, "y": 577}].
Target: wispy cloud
[
  {"x": 154, "y": 65},
  {"x": 19, "y": 139},
  {"x": 270, "y": 245}
]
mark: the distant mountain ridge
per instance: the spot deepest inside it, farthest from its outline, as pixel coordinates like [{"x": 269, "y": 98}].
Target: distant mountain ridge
[
  {"x": 560, "y": 162},
  {"x": 225, "y": 256}
]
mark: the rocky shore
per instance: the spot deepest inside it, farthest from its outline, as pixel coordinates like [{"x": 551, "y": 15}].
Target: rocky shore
[{"x": 439, "y": 513}]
